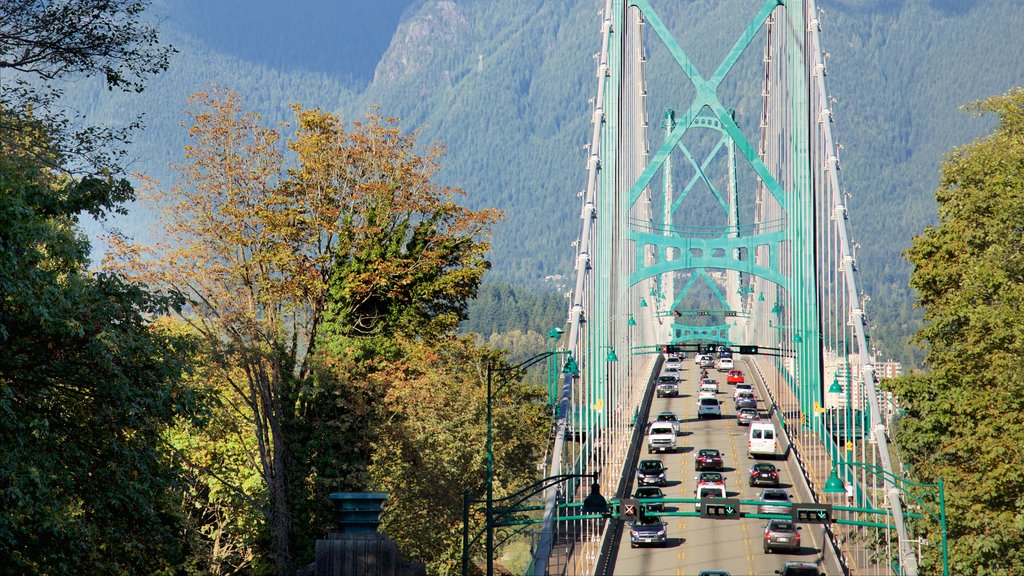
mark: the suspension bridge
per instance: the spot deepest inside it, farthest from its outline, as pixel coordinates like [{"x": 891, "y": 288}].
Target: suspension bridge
[{"x": 714, "y": 213}]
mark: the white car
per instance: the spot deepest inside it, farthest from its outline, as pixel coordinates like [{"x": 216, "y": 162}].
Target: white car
[
  {"x": 671, "y": 418},
  {"x": 709, "y": 386},
  {"x": 742, "y": 387},
  {"x": 724, "y": 364},
  {"x": 708, "y": 406},
  {"x": 674, "y": 371}
]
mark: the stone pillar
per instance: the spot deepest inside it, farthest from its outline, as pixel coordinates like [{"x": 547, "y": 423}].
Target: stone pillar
[{"x": 357, "y": 549}]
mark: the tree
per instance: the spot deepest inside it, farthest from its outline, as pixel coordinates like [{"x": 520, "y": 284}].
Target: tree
[
  {"x": 964, "y": 416},
  {"x": 352, "y": 240},
  {"x": 88, "y": 385},
  {"x": 45, "y": 43},
  {"x": 87, "y": 389},
  {"x": 431, "y": 449}
]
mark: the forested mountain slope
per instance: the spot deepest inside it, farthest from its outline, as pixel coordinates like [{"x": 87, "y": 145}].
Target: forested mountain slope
[{"x": 504, "y": 85}]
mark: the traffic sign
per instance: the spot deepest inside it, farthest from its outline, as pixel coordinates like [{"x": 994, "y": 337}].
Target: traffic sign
[
  {"x": 748, "y": 349},
  {"x": 629, "y": 509},
  {"x": 812, "y": 513},
  {"x": 720, "y": 508}
]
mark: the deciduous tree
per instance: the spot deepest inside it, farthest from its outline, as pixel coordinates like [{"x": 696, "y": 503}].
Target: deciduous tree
[
  {"x": 351, "y": 243},
  {"x": 965, "y": 415},
  {"x": 87, "y": 390}
]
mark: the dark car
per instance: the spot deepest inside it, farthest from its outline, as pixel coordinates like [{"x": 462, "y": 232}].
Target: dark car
[
  {"x": 667, "y": 386},
  {"x": 800, "y": 569},
  {"x": 764, "y": 474},
  {"x": 781, "y": 535},
  {"x": 651, "y": 472},
  {"x": 713, "y": 573},
  {"x": 648, "y": 531},
  {"x": 745, "y": 400},
  {"x": 648, "y": 492},
  {"x": 708, "y": 459}
]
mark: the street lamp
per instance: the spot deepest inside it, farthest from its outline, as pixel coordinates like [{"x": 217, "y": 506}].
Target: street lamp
[
  {"x": 835, "y": 485},
  {"x": 553, "y": 335},
  {"x": 570, "y": 367},
  {"x": 594, "y": 503}
]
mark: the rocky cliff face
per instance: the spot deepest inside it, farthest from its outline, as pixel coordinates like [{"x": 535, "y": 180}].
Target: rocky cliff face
[{"x": 425, "y": 46}]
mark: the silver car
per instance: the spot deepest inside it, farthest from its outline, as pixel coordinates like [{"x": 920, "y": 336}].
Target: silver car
[
  {"x": 781, "y": 535},
  {"x": 774, "y": 501}
]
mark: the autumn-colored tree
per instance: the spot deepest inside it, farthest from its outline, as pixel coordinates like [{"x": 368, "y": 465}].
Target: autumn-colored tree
[
  {"x": 964, "y": 421},
  {"x": 353, "y": 233},
  {"x": 431, "y": 448}
]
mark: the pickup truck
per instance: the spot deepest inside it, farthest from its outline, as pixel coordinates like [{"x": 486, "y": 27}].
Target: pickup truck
[
  {"x": 661, "y": 437},
  {"x": 667, "y": 386}
]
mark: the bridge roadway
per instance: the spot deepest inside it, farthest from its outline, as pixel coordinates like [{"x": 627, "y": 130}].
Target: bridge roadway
[{"x": 697, "y": 544}]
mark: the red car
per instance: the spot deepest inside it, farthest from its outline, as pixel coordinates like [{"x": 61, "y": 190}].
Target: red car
[
  {"x": 734, "y": 377},
  {"x": 708, "y": 459}
]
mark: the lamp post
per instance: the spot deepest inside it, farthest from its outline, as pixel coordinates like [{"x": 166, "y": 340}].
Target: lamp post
[
  {"x": 835, "y": 485},
  {"x": 553, "y": 335},
  {"x": 594, "y": 503},
  {"x": 569, "y": 368}
]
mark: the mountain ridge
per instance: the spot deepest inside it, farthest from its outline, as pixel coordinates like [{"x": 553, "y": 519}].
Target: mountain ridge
[{"x": 505, "y": 87}]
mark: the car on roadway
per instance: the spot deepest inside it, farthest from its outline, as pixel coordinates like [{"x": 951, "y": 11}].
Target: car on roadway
[
  {"x": 667, "y": 386},
  {"x": 669, "y": 417},
  {"x": 764, "y": 474},
  {"x": 698, "y": 358},
  {"x": 710, "y": 478},
  {"x": 673, "y": 371},
  {"x": 651, "y": 471},
  {"x": 648, "y": 531},
  {"x": 708, "y": 406},
  {"x": 800, "y": 569},
  {"x": 734, "y": 376},
  {"x": 708, "y": 490},
  {"x": 774, "y": 501},
  {"x": 673, "y": 362},
  {"x": 745, "y": 400},
  {"x": 781, "y": 535},
  {"x": 708, "y": 459},
  {"x": 744, "y": 416},
  {"x": 709, "y": 385},
  {"x": 714, "y": 573},
  {"x": 706, "y": 361},
  {"x": 724, "y": 364},
  {"x": 650, "y": 492},
  {"x": 742, "y": 387}
]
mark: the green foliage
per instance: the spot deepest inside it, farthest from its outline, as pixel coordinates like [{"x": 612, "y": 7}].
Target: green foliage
[
  {"x": 500, "y": 307},
  {"x": 964, "y": 418},
  {"x": 87, "y": 391}
]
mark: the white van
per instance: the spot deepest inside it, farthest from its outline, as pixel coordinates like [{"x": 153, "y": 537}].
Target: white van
[{"x": 762, "y": 440}]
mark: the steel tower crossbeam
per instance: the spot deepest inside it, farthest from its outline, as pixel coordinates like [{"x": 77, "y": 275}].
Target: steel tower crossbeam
[{"x": 780, "y": 267}]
